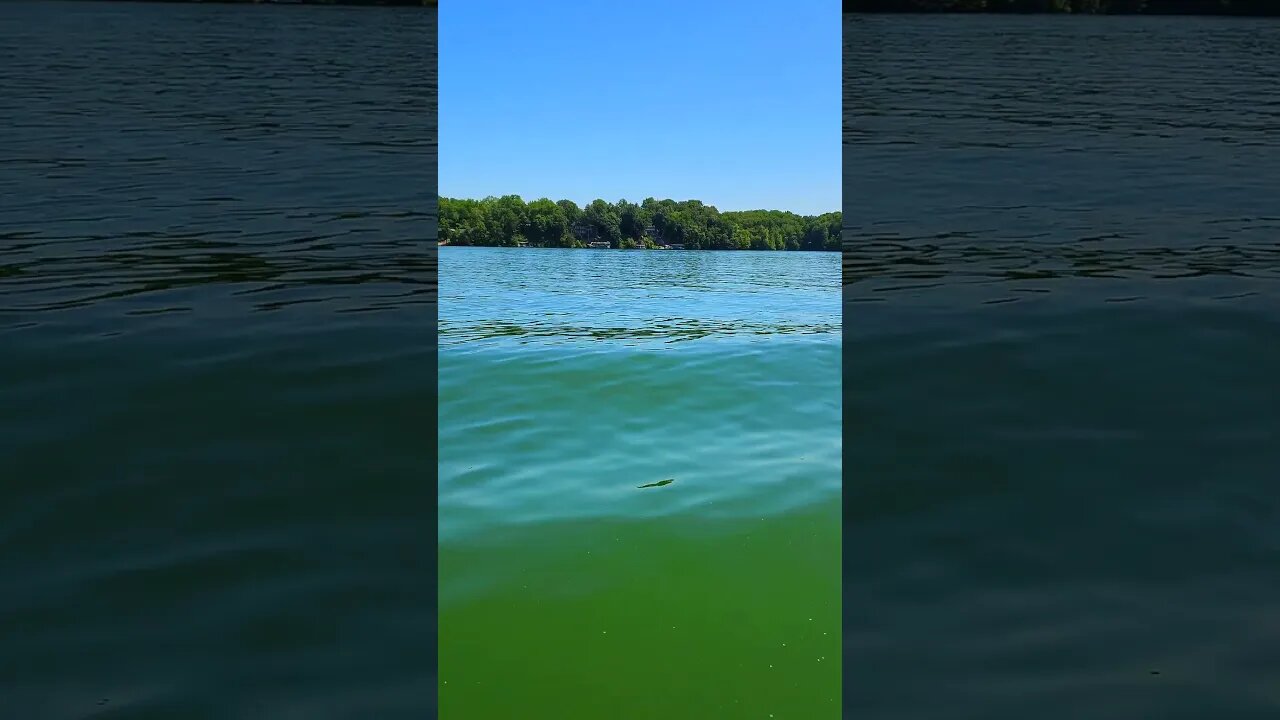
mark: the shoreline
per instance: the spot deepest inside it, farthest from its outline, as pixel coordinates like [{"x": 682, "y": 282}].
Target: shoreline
[
  {"x": 653, "y": 224},
  {"x": 632, "y": 249}
]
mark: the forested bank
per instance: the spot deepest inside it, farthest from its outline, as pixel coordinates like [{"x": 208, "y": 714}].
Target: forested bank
[
  {"x": 1113, "y": 7},
  {"x": 511, "y": 222}
]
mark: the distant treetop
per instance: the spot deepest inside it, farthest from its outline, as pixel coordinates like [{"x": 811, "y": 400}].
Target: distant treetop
[{"x": 510, "y": 221}]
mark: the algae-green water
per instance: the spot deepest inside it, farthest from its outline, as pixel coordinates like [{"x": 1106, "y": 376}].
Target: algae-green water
[{"x": 568, "y": 379}]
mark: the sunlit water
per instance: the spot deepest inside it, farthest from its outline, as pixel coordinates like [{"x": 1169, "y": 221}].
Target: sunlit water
[
  {"x": 569, "y": 378},
  {"x": 1061, "y": 326},
  {"x": 216, "y": 345}
]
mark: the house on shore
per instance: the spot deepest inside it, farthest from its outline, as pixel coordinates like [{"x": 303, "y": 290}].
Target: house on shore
[
  {"x": 587, "y": 233},
  {"x": 584, "y": 232},
  {"x": 652, "y": 233}
]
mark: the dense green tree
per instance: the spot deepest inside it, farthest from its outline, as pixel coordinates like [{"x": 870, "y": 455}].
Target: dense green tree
[
  {"x": 604, "y": 220},
  {"x": 632, "y": 219},
  {"x": 507, "y": 221},
  {"x": 572, "y": 213},
  {"x": 546, "y": 224},
  {"x": 507, "y": 218}
]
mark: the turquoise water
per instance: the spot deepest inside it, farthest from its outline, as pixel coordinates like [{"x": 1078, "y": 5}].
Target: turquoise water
[{"x": 568, "y": 378}]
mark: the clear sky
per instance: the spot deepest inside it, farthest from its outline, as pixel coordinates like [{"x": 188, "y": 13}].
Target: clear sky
[{"x": 736, "y": 104}]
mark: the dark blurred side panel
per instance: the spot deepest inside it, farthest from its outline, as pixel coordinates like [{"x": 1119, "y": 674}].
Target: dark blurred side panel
[
  {"x": 1061, "y": 327},
  {"x": 217, "y": 345}
]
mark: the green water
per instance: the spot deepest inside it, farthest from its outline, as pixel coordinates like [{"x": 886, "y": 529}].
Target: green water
[{"x": 568, "y": 379}]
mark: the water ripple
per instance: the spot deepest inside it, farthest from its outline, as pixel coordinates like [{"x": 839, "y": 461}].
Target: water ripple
[
  {"x": 1060, "y": 278},
  {"x": 217, "y": 267},
  {"x": 590, "y": 373},
  {"x": 181, "y": 177}
]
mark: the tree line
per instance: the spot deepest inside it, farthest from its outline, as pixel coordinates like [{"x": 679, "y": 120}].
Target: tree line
[
  {"x": 511, "y": 222},
  {"x": 1151, "y": 7}
]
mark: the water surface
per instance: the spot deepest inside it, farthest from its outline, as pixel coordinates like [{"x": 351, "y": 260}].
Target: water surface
[
  {"x": 1061, "y": 320},
  {"x": 570, "y": 378},
  {"x": 216, "y": 339}
]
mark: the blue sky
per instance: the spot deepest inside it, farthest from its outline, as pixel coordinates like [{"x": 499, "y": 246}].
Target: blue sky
[{"x": 736, "y": 104}]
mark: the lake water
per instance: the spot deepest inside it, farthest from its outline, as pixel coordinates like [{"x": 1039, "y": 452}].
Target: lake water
[
  {"x": 569, "y": 378},
  {"x": 217, "y": 344},
  {"x": 1062, "y": 329}
]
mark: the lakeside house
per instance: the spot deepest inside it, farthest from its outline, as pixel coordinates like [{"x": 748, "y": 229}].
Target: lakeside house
[
  {"x": 653, "y": 234},
  {"x": 584, "y": 232},
  {"x": 587, "y": 233}
]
